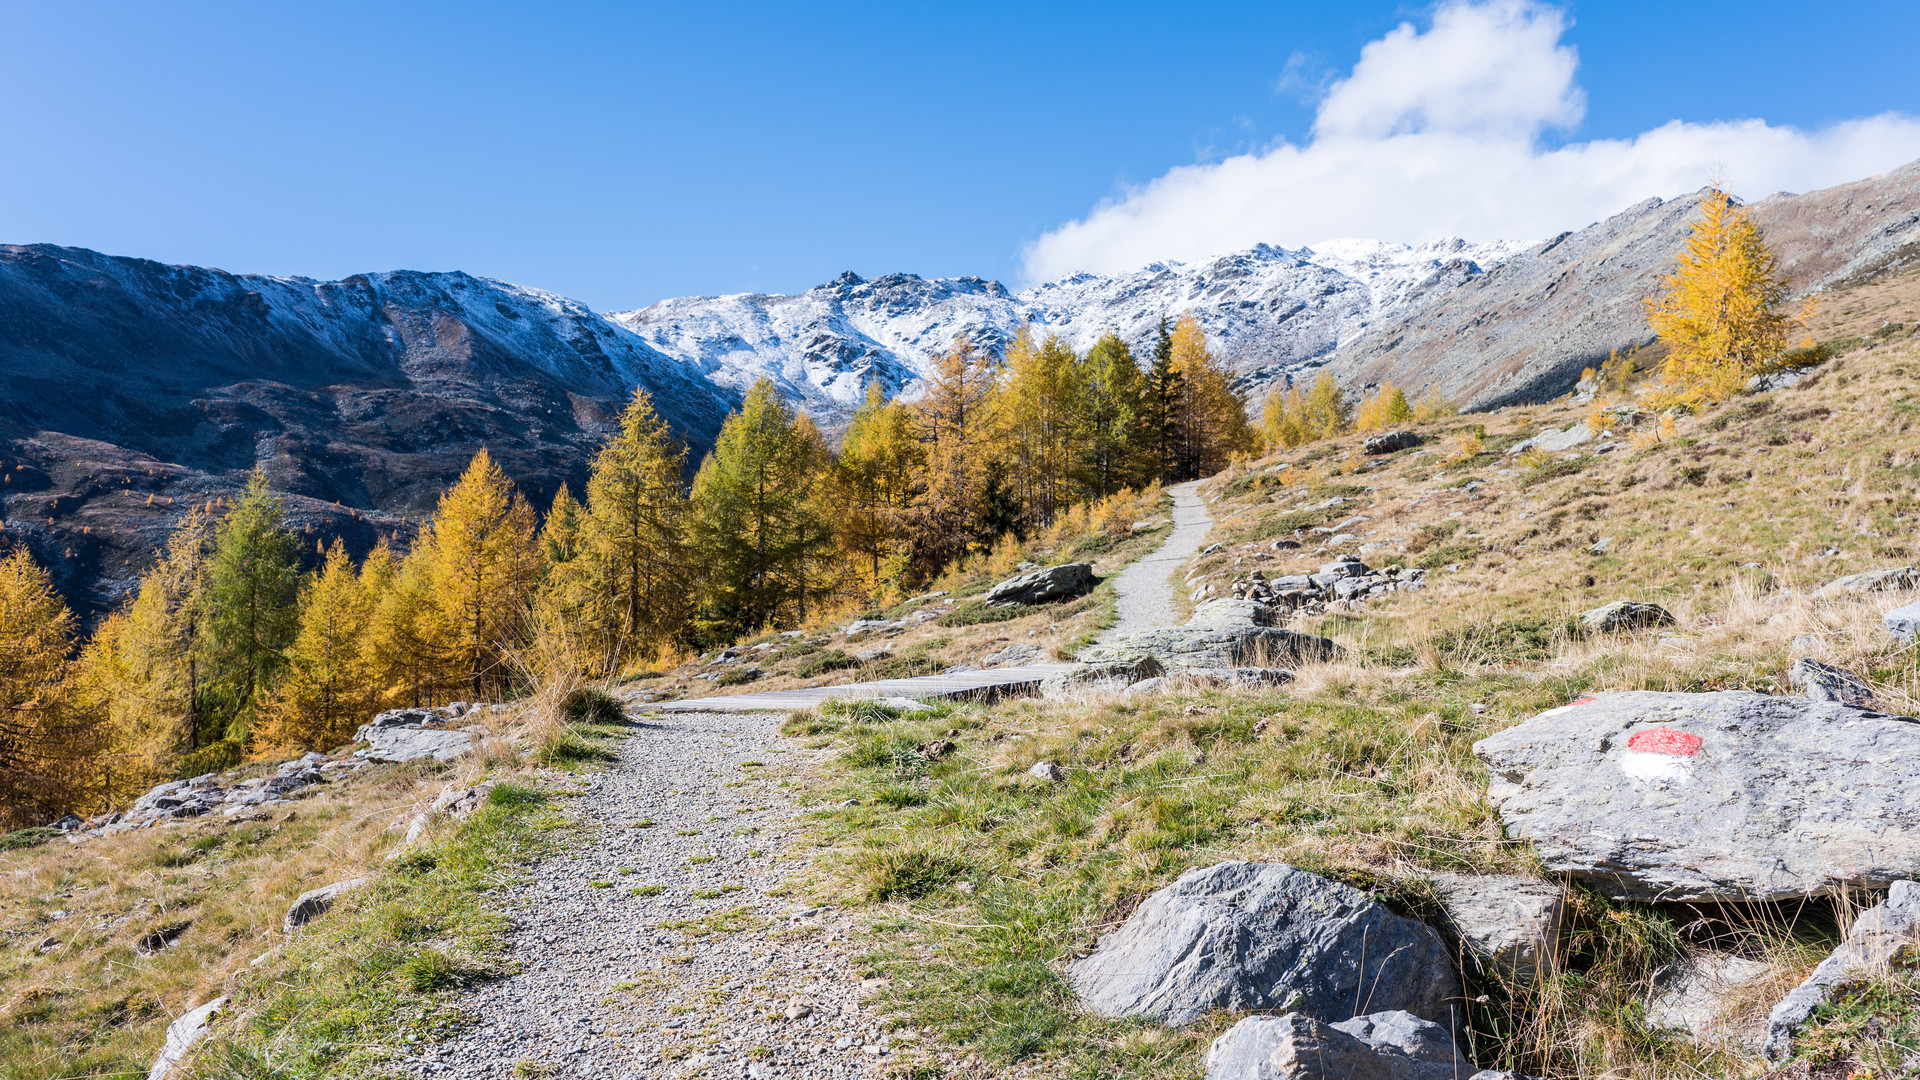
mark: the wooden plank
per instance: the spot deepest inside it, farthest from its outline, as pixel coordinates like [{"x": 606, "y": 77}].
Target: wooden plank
[{"x": 962, "y": 684}]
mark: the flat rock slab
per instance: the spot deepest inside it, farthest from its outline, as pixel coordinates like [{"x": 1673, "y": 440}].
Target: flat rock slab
[
  {"x": 1881, "y": 580},
  {"x": 1379, "y": 1046},
  {"x": 1729, "y": 796},
  {"x": 1247, "y": 936},
  {"x": 413, "y": 744},
  {"x": 1693, "y": 996},
  {"x": 181, "y": 1035},
  {"x": 1221, "y": 634},
  {"x": 1624, "y": 615},
  {"x": 1003, "y": 680}
]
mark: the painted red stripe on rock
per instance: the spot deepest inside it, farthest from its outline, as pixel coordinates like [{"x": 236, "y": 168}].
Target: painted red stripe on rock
[
  {"x": 1579, "y": 701},
  {"x": 1663, "y": 740}
]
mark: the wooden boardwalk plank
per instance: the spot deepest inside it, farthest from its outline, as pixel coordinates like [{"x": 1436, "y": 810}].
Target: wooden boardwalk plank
[{"x": 962, "y": 684}]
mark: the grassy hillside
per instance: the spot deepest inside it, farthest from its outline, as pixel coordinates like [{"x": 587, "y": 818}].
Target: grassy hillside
[{"x": 982, "y": 880}]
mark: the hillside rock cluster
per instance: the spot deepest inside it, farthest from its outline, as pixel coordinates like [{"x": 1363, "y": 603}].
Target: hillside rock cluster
[{"x": 1345, "y": 581}]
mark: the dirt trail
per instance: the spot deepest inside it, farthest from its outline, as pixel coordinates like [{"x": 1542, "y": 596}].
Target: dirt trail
[
  {"x": 704, "y": 973},
  {"x": 1145, "y": 589}
]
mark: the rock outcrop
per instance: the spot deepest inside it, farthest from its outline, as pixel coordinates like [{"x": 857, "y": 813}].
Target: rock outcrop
[
  {"x": 1879, "y": 934},
  {"x": 1389, "y": 442},
  {"x": 1625, "y": 615},
  {"x": 1340, "y": 585},
  {"x": 1044, "y": 586},
  {"x": 1221, "y": 634},
  {"x": 1729, "y": 796},
  {"x": 412, "y": 734},
  {"x": 317, "y": 902},
  {"x": 1110, "y": 675},
  {"x": 1249, "y": 936},
  {"x": 1391, "y": 1045},
  {"x": 1508, "y": 924}
]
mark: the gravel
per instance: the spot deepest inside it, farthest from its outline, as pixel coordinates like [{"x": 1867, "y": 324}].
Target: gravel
[
  {"x": 1145, "y": 588},
  {"x": 712, "y": 976}
]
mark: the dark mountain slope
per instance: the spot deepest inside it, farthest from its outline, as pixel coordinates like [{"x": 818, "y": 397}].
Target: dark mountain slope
[{"x": 371, "y": 393}]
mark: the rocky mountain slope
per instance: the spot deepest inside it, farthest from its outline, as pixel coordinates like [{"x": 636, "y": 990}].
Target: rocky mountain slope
[
  {"x": 1273, "y": 310},
  {"x": 130, "y": 390},
  {"x": 1524, "y": 331}
]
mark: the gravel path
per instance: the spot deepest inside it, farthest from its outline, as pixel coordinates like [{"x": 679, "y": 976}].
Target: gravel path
[
  {"x": 710, "y": 975},
  {"x": 1145, "y": 588}
]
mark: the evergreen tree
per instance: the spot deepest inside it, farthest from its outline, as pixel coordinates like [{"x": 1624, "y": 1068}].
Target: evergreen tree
[
  {"x": 479, "y": 562},
  {"x": 877, "y": 477},
  {"x": 329, "y": 688},
  {"x": 636, "y": 536},
  {"x": 45, "y": 741},
  {"x": 1720, "y": 313},
  {"x": 753, "y": 527},
  {"x": 1163, "y": 395},
  {"x": 253, "y": 590},
  {"x": 952, "y": 424},
  {"x": 1112, "y": 411}
]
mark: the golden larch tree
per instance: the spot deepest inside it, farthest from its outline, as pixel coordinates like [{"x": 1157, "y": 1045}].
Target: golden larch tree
[
  {"x": 328, "y": 689},
  {"x": 1210, "y": 420},
  {"x": 877, "y": 479},
  {"x": 1719, "y": 311},
  {"x": 480, "y": 562},
  {"x": 46, "y": 742}
]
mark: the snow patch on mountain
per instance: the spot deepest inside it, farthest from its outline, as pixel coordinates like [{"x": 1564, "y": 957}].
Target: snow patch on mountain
[{"x": 1276, "y": 312}]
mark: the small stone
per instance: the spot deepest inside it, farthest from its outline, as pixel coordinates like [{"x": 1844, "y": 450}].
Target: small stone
[
  {"x": 1824, "y": 682},
  {"x": 799, "y": 1012},
  {"x": 1048, "y": 771},
  {"x": 317, "y": 902}
]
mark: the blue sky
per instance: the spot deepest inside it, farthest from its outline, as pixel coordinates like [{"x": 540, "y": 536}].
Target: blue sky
[{"x": 621, "y": 153}]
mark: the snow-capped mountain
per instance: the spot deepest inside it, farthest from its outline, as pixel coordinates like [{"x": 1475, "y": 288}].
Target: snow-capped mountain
[{"x": 1273, "y": 310}]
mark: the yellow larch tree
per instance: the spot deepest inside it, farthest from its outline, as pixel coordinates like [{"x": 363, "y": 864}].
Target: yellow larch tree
[
  {"x": 951, "y": 423},
  {"x": 46, "y": 741},
  {"x": 328, "y": 689},
  {"x": 480, "y": 561},
  {"x": 633, "y": 551},
  {"x": 876, "y": 476},
  {"x": 1719, "y": 312},
  {"x": 1035, "y": 418},
  {"x": 1210, "y": 420}
]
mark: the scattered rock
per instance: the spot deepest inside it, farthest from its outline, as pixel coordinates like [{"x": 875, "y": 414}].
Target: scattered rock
[
  {"x": 1885, "y": 579},
  {"x": 1233, "y": 676},
  {"x": 1729, "y": 796},
  {"x": 1554, "y": 440},
  {"x": 157, "y": 939},
  {"x": 181, "y": 1035},
  {"x": 1063, "y": 582},
  {"x": 1775, "y": 380},
  {"x": 1391, "y": 442},
  {"x": 1392, "y": 1045},
  {"x": 1048, "y": 771},
  {"x": 1904, "y": 622},
  {"x": 1824, "y": 682},
  {"x": 1510, "y": 924},
  {"x": 1878, "y": 934},
  {"x": 1624, "y": 615},
  {"x": 1248, "y": 936},
  {"x": 1693, "y": 995},
  {"x": 1010, "y": 656},
  {"x": 317, "y": 902},
  {"x": 935, "y": 750},
  {"x": 459, "y": 803}
]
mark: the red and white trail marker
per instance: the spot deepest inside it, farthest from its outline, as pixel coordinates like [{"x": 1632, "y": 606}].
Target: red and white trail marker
[{"x": 1660, "y": 754}]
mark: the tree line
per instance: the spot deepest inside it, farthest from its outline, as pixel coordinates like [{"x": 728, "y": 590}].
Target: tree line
[{"x": 230, "y": 647}]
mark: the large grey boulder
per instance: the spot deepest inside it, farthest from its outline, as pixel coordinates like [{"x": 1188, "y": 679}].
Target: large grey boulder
[
  {"x": 1730, "y": 796},
  {"x": 1623, "y": 615},
  {"x": 1509, "y": 924},
  {"x": 1379, "y": 1046},
  {"x": 181, "y": 1035},
  {"x": 412, "y": 744},
  {"x": 1882, "y": 580},
  {"x": 1554, "y": 440},
  {"x": 317, "y": 902},
  {"x": 1878, "y": 936},
  {"x": 1247, "y": 936},
  {"x": 1824, "y": 682},
  {"x": 1221, "y": 634},
  {"x": 1904, "y": 622},
  {"x": 1063, "y": 582}
]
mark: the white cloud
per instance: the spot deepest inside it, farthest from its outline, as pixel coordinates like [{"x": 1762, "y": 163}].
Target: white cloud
[{"x": 1436, "y": 134}]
